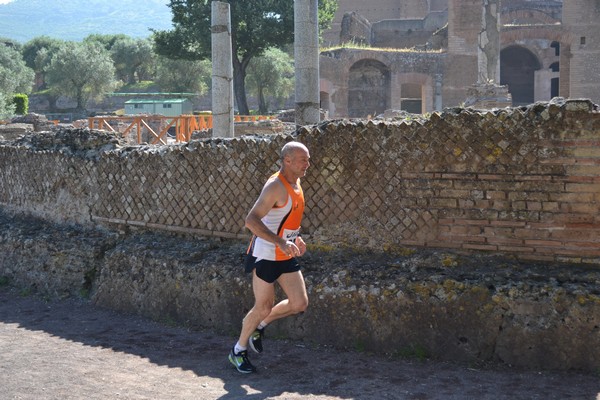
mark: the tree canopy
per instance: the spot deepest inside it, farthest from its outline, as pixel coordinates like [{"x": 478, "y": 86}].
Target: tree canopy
[
  {"x": 15, "y": 77},
  {"x": 107, "y": 41},
  {"x": 183, "y": 75},
  {"x": 32, "y": 48},
  {"x": 271, "y": 76},
  {"x": 81, "y": 70},
  {"x": 133, "y": 58},
  {"x": 255, "y": 26}
]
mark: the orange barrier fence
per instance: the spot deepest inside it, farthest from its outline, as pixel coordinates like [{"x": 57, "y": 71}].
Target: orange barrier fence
[{"x": 158, "y": 127}]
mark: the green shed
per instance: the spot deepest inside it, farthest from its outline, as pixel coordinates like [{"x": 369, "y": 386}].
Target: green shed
[{"x": 166, "y": 107}]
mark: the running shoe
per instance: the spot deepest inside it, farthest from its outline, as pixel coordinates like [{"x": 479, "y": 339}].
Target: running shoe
[
  {"x": 256, "y": 340},
  {"x": 241, "y": 362}
]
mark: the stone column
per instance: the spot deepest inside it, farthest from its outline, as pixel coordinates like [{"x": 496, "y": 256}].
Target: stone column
[
  {"x": 488, "y": 51},
  {"x": 306, "y": 58},
  {"x": 396, "y": 82},
  {"x": 222, "y": 70},
  {"x": 438, "y": 83},
  {"x": 487, "y": 92}
]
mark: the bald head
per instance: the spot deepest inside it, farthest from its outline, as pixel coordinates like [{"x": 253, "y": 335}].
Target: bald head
[{"x": 291, "y": 147}]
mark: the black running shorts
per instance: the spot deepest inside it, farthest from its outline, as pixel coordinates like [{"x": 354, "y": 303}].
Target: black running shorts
[{"x": 269, "y": 271}]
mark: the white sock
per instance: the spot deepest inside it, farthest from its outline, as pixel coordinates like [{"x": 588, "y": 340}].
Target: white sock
[
  {"x": 239, "y": 348},
  {"x": 262, "y": 325}
]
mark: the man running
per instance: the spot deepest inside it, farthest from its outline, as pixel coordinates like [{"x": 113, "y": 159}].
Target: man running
[{"x": 275, "y": 222}]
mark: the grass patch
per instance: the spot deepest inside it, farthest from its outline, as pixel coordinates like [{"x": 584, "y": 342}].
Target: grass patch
[
  {"x": 415, "y": 352},
  {"x": 4, "y": 281},
  {"x": 363, "y": 46},
  {"x": 359, "y": 346},
  {"x": 169, "y": 321},
  {"x": 450, "y": 261}
]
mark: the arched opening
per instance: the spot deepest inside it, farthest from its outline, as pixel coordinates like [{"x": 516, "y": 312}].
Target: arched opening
[
  {"x": 368, "y": 89},
  {"x": 517, "y": 70}
]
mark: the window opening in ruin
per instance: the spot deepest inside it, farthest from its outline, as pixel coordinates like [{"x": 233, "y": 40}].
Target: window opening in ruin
[
  {"x": 369, "y": 89},
  {"x": 554, "y": 86},
  {"x": 324, "y": 101},
  {"x": 556, "y": 47},
  {"x": 411, "y": 98},
  {"x": 517, "y": 70},
  {"x": 554, "y": 91},
  {"x": 582, "y": 40}
]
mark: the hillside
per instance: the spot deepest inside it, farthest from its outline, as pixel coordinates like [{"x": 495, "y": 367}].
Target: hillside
[{"x": 22, "y": 20}]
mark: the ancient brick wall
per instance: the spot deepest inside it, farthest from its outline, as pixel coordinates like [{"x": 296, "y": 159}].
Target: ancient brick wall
[
  {"x": 526, "y": 26},
  {"x": 355, "y": 29},
  {"x": 402, "y": 34},
  {"x": 523, "y": 182},
  {"x": 336, "y": 67},
  {"x": 378, "y": 11}
]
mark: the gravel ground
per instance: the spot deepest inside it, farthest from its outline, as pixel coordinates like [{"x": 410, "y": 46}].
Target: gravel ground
[{"x": 70, "y": 349}]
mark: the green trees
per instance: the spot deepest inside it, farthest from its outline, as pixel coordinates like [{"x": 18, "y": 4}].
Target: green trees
[
  {"x": 134, "y": 59},
  {"x": 15, "y": 77},
  {"x": 37, "y": 54},
  {"x": 107, "y": 41},
  {"x": 81, "y": 70},
  {"x": 183, "y": 75},
  {"x": 271, "y": 75},
  {"x": 256, "y": 26},
  {"x": 176, "y": 60}
]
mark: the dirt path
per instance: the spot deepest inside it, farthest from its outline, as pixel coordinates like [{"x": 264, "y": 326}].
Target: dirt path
[{"x": 70, "y": 349}]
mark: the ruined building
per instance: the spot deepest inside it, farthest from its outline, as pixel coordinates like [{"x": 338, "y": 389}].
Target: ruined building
[{"x": 426, "y": 55}]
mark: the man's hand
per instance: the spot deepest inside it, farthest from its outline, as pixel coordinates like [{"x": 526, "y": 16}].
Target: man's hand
[
  {"x": 301, "y": 245},
  {"x": 290, "y": 249}
]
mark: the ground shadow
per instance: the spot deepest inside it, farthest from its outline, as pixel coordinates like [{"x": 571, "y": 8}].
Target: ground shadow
[{"x": 286, "y": 367}]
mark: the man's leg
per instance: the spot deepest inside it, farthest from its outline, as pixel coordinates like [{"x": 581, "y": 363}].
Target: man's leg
[
  {"x": 264, "y": 296},
  {"x": 294, "y": 287}
]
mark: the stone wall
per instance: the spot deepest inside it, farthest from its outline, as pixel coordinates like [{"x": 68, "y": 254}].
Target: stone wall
[
  {"x": 466, "y": 236},
  {"x": 379, "y": 10},
  {"x": 471, "y": 310},
  {"x": 517, "y": 181},
  {"x": 355, "y": 29}
]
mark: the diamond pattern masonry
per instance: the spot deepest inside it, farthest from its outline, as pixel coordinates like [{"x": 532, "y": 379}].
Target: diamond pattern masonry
[{"x": 522, "y": 181}]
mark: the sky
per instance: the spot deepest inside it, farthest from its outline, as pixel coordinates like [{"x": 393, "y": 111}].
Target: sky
[{"x": 5, "y": 1}]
